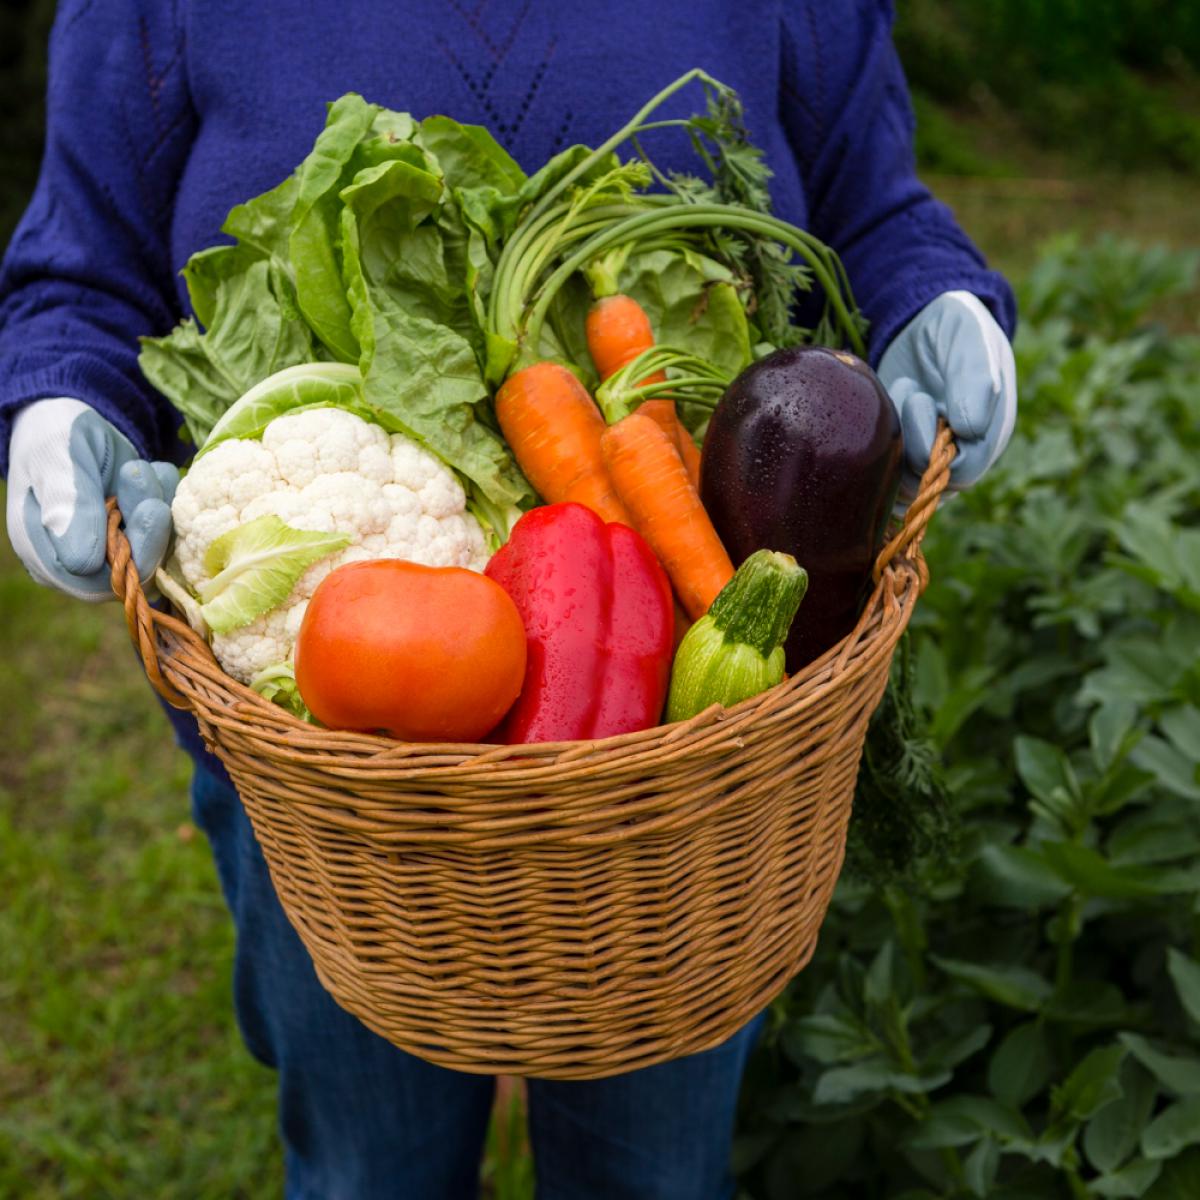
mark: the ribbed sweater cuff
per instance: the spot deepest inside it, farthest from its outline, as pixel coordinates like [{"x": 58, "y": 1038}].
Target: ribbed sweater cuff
[
  {"x": 40, "y": 375},
  {"x": 904, "y": 297}
]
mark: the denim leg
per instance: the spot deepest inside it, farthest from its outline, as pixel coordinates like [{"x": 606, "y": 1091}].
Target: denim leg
[
  {"x": 659, "y": 1133},
  {"x": 360, "y": 1120}
]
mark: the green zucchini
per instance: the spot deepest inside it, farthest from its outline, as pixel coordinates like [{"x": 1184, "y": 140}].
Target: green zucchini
[{"x": 736, "y": 649}]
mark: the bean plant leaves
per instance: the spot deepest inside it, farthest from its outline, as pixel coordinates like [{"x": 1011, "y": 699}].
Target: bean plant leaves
[
  {"x": 1017, "y": 877},
  {"x": 1092, "y": 1084},
  {"x": 1089, "y": 871},
  {"x": 1180, "y": 1178},
  {"x": 1113, "y": 1133},
  {"x": 1172, "y": 1130},
  {"x": 1109, "y": 728},
  {"x": 841, "y": 1084},
  {"x": 1178, "y": 1074},
  {"x": 981, "y": 1166},
  {"x": 961, "y": 1120},
  {"x": 1131, "y": 1180},
  {"x": 1185, "y": 972},
  {"x": 1172, "y": 768},
  {"x": 1020, "y": 1067},
  {"x": 1014, "y": 986}
]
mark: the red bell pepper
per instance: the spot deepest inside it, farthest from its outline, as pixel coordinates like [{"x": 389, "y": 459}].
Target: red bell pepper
[{"x": 599, "y": 626}]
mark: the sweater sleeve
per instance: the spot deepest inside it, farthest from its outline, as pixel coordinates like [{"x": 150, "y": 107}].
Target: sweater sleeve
[
  {"x": 848, "y": 117},
  {"x": 88, "y": 268}
]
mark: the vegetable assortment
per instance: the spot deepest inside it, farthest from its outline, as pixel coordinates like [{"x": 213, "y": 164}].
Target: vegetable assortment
[{"x": 411, "y": 343}]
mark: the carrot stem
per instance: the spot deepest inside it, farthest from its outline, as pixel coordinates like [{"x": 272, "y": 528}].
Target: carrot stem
[{"x": 826, "y": 267}]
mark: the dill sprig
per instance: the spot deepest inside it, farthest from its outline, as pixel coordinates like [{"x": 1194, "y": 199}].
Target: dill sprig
[
  {"x": 740, "y": 175},
  {"x": 904, "y": 822}
]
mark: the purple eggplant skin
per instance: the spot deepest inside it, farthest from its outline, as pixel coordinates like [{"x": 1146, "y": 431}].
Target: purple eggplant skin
[{"x": 803, "y": 455}]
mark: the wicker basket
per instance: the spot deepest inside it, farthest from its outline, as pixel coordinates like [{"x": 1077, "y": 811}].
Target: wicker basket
[{"x": 566, "y": 910}]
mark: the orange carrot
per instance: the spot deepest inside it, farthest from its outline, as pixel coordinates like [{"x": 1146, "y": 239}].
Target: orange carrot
[
  {"x": 618, "y": 330},
  {"x": 650, "y": 478},
  {"x": 662, "y": 413},
  {"x": 553, "y": 428},
  {"x": 689, "y": 452}
]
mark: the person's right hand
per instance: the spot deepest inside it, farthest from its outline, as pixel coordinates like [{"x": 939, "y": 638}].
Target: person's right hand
[{"x": 64, "y": 459}]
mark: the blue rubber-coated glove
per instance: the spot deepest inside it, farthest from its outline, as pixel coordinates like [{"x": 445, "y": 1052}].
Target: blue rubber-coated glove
[
  {"x": 64, "y": 459},
  {"x": 952, "y": 360}
]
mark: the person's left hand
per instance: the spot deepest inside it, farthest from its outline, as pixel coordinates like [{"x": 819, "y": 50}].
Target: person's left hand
[{"x": 952, "y": 360}]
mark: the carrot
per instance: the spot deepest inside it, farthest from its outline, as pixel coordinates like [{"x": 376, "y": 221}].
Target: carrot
[
  {"x": 650, "y": 478},
  {"x": 689, "y": 452},
  {"x": 618, "y": 330},
  {"x": 553, "y": 428},
  {"x": 662, "y": 413}
]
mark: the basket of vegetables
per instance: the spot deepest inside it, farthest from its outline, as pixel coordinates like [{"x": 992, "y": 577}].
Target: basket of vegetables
[{"x": 534, "y": 579}]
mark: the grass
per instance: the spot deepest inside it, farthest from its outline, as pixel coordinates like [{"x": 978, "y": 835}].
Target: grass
[{"x": 121, "y": 1070}]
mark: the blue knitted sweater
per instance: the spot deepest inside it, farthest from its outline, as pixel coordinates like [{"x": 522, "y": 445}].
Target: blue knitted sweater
[{"x": 162, "y": 114}]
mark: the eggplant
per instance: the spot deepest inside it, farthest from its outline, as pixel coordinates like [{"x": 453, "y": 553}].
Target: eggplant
[{"x": 803, "y": 455}]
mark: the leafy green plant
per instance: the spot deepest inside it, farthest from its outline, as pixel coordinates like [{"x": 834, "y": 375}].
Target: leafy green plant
[{"x": 1024, "y": 1021}]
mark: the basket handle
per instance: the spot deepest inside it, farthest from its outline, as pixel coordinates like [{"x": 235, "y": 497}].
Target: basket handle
[
  {"x": 141, "y": 620},
  {"x": 929, "y": 492}
]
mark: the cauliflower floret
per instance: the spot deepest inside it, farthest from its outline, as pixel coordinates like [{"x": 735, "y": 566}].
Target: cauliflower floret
[
  {"x": 211, "y": 498},
  {"x": 328, "y": 471},
  {"x": 327, "y": 441},
  {"x": 265, "y": 641}
]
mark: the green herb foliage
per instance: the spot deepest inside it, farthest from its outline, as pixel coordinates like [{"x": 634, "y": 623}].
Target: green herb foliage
[{"x": 1021, "y": 1019}]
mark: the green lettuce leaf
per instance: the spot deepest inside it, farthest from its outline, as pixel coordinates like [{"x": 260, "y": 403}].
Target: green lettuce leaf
[
  {"x": 416, "y": 329},
  {"x": 378, "y": 252},
  {"x": 312, "y": 241},
  {"x": 255, "y": 566},
  {"x": 254, "y": 329},
  {"x": 692, "y": 303},
  {"x": 469, "y": 157}
]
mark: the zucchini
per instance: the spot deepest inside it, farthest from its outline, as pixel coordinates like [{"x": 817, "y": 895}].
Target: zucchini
[{"x": 736, "y": 649}]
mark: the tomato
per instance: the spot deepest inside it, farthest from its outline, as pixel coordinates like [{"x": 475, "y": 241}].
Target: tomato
[{"x": 428, "y": 654}]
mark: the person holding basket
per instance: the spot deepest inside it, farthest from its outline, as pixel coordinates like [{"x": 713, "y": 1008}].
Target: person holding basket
[{"x": 159, "y": 119}]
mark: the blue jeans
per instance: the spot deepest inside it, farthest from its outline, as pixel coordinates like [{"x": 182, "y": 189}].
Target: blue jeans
[{"x": 362, "y": 1120}]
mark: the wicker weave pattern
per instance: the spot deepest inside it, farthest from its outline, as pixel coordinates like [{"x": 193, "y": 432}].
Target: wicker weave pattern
[{"x": 567, "y": 910}]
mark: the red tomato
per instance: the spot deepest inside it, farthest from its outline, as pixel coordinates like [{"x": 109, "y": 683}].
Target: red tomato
[{"x": 429, "y": 654}]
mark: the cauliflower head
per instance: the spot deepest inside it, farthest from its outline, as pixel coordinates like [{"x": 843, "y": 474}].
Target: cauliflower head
[{"x": 329, "y": 471}]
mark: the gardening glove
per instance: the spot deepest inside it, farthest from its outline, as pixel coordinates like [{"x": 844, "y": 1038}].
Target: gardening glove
[
  {"x": 64, "y": 459},
  {"x": 952, "y": 360}
]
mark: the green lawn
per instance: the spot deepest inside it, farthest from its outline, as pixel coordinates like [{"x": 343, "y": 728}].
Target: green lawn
[{"x": 121, "y": 1071}]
